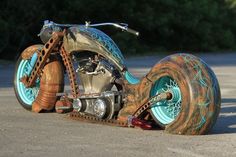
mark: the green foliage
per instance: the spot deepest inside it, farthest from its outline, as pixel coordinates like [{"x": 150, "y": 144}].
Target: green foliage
[
  {"x": 232, "y": 3},
  {"x": 166, "y": 25}
]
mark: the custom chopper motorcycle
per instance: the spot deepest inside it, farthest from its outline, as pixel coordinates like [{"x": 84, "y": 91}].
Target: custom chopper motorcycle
[{"x": 179, "y": 94}]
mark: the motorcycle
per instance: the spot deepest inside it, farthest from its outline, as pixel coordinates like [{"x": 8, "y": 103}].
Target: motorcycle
[{"x": 180, "y": 93}]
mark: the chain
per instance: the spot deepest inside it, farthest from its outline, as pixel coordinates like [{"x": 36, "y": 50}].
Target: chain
[
  {"x": 93, "y": 119},
  {"x": 137, "y": 114}
]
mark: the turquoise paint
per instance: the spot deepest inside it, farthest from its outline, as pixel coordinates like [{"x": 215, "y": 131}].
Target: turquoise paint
[
  {"x": 202, "y": 122},
  {"x": 27, "y": 95},
  {"x": 32, "y": 63},
  {"x": 166, "y": 111},
  {"x": 199, "y": 76},
  {"x": 105, "y": 41},
  {"x": 130, "y": 78},
  {"x": 202, "y": 81}
]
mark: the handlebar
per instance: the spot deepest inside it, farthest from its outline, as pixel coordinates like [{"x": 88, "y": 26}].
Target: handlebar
[{"x": 122, "y": 26}]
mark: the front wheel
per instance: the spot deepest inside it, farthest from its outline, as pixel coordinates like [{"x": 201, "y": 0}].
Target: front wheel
[
  {"x": 25, "y": 96},
  {"x": 43, "y": 95},
  {"x": 196, "y": 98}
]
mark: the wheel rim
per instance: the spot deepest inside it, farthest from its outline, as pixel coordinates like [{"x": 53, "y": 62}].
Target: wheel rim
[
  {"x": 27, "y": 95},
  {"x": 166, "y": 111}
]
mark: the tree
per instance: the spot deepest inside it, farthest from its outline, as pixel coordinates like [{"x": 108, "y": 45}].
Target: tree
[{"x": 164, "y": 25}]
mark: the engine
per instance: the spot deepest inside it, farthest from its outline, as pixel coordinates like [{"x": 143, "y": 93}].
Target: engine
[{"x": 100, "y": 97}]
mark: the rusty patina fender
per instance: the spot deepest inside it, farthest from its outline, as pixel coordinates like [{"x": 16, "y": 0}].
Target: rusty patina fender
[
  {"x": 29, "y": 51},
  {"x": 51, "y": 81},
  {"x": 137, "y": 95}
]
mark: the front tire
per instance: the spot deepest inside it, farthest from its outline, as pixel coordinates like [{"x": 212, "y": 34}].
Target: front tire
[
  {"x": 25, "y": 96},
  {"x": 196, "y": 100}
]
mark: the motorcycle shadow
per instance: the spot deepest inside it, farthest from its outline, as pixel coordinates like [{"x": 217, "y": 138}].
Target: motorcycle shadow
[{"x": 226, "y": 122}]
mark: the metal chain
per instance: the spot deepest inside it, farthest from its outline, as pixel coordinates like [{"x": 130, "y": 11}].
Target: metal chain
[
  {"x": 137, "y": 114},
  {"x": 93, "y": 119}
]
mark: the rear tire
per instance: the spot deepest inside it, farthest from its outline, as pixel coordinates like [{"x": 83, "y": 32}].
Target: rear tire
[{"x": 196, "y": 101}]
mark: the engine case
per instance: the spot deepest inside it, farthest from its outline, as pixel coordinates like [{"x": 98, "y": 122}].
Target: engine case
[
  {"x": 112, "y": 102},
  {"x": 98, "y": 81}
]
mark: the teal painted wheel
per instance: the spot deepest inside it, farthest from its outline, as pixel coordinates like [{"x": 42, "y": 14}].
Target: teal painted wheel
[
  {"x": 166, "y": 111},
  {"x": 25, "y": 96}
]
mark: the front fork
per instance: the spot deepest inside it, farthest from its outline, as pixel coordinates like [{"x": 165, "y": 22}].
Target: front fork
[
  {"x": 42, "y": 57},
  {"x": 41, "y": 60},
  {"x": 52, "y": 44}
]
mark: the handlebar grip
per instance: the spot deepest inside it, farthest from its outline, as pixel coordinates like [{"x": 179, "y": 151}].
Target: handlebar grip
[{"x": 132, "y": 31}]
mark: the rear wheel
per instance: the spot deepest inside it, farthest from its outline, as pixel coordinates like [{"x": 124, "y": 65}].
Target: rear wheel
[
  {"x": 166, "y": 111},
  {"x": 196, "y": 99}
]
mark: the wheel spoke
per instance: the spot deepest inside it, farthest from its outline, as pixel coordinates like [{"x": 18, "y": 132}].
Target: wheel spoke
[
  {"x": 27, "y": 95},
  {"x": 166, "y": 111}
]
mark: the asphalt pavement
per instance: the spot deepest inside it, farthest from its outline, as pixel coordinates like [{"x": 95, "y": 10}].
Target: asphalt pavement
[{"x": 27, "y": 134}]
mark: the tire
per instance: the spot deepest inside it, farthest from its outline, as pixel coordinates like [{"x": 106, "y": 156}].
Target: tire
[
  {"x": 196, "y": 97},
  {"x": 25, "y": 96}
]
